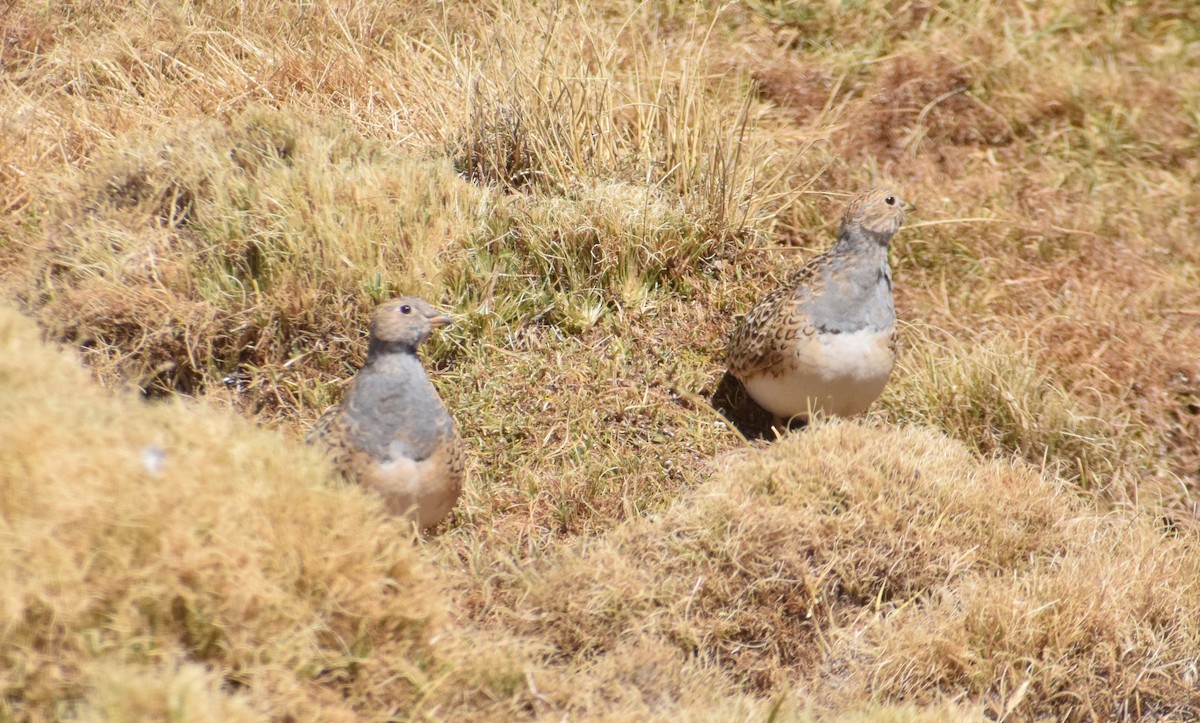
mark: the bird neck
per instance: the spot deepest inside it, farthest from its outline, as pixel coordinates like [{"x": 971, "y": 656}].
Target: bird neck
[
  {"x": 872, "y": 244},
  {"x": 379, "y": 348}
]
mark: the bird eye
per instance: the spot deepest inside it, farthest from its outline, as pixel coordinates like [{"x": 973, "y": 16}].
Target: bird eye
[
  {"x": 890, "y": 200},
  {"x": 406, "y": 309}
]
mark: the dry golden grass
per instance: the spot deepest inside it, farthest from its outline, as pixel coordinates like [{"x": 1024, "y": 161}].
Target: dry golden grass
[
  {"x": 158, "y": 555},
  {"x": 207, "y": 200},
  {"x": 900, "y": 568}
]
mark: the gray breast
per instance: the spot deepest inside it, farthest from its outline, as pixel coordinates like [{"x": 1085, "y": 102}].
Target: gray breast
[
  {"x": 394, "y": 411},
  {"x": 857, "y": 295}
]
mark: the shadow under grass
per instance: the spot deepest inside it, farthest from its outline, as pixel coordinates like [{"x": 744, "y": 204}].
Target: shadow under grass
[{"x": 731, "y": 399}]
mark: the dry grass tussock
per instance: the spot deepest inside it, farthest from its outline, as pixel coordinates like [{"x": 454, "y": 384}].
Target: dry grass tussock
[
  {"x": 901, "y": 568},
  {"x": 160, "y": 555},
  {"x": 207, "y": 200},
  {"x": 996, "y": 396},
  {"x": 227, "y": 578},
  {"x": 179, "y": 262}
]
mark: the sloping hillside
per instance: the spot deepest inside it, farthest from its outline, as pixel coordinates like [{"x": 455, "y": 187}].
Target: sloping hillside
[{"x": 203, "y": 202}]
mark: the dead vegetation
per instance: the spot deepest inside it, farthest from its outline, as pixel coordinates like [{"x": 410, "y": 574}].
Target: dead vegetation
[
  {"x": 159, "y": 555},
  {"x": 207, "y": 201},
  {"x": 869, "y": 575}
]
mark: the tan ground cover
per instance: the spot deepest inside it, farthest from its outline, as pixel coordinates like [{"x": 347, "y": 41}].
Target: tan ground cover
[{"x": 204, "y": 201}]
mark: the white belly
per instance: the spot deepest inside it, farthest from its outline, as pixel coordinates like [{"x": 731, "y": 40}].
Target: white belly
[{"x": 838, "y": 374}]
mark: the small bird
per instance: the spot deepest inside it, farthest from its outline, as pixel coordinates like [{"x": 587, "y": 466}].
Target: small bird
[
  {"x": 825, "y": 342},
  {"x": 391, "y": 431}
]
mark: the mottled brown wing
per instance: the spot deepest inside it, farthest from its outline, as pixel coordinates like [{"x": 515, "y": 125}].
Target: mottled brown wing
[
  {"x": 329, "y": 434},
  {"x": 764, "y": 339},
  {"x": 457, "y": 456},
  {"x": 454, "y": 454}
]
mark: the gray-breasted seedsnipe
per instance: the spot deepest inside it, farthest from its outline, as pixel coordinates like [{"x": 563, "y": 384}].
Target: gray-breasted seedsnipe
[
  {"x": 825, "y": 342},
  {"x": 391, "y": 431}
]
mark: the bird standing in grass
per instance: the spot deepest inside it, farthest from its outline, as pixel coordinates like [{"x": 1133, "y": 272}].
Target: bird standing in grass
[
  {"x": 825, "y": 342},
  {"x": 391, "y": 431}
]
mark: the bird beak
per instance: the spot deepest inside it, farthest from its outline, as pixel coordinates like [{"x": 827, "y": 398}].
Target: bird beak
[
  {"x": 439, "y": 320},
  {"x": 909, "y": 207}
]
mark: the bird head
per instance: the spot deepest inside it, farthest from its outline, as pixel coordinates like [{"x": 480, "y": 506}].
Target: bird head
[
  {"x": 404, "y": 324},
  {"x": 878, "y": 211}
]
